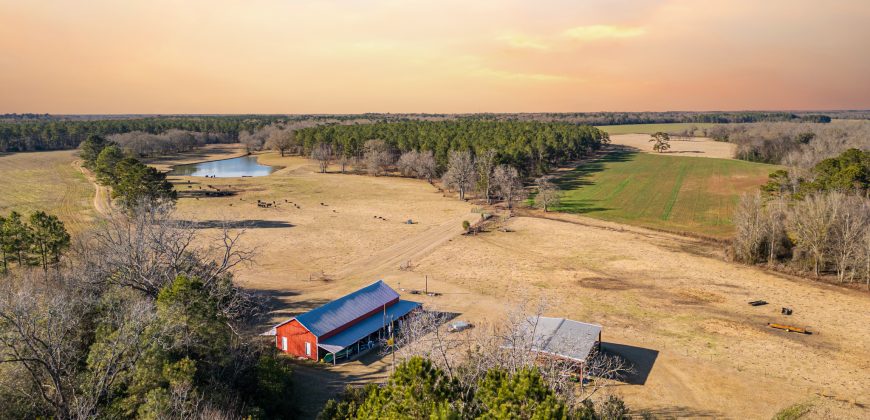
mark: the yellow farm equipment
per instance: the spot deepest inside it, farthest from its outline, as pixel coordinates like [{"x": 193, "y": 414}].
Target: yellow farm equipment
[{"x": 789, "y": 328}]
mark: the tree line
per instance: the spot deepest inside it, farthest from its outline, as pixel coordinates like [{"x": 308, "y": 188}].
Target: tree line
[
  {"x": 617, "y": 118},
  {"x": 530, "y": 146},
  {"x": 58, "y": 134},
  {"x": 37, "y": 240},
  {"x": 131, "y": 181},
  {"x": 815, "y": 221},
  {"x": 799, "y": 145},
  {"x": 142, "y": 321},
  {"x": 142, "y": 144},
  {"x": 33, "y": 132}
]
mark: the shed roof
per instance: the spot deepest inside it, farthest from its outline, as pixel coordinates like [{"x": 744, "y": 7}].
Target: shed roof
[
  {"x": 367, "y": 326},
  {"x": 563, "y": 337},
  {"x": 346, "y": 309}
]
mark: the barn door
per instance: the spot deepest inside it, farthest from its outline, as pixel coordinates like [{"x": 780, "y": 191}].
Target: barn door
[{"x": 284, "y": 343}]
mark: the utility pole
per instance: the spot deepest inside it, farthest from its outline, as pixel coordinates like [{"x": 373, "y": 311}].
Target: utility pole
[{"x": 427, "y": 284}]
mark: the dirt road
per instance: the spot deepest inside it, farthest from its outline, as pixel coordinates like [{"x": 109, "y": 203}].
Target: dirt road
[
  {"x": 102, "y": 194},
  {"x": 406, "y": 251}
]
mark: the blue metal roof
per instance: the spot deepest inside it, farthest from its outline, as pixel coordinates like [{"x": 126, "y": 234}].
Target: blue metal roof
[
  {"x": 340, "y": 312},
  {"x": 367, "y": 326}
]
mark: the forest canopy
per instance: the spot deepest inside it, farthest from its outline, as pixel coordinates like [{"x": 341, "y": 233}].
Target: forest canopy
[{"x": 530, "y": 145}]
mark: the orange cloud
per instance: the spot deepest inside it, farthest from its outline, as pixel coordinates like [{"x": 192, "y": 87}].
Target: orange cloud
[{"x": 596, "y": 32}]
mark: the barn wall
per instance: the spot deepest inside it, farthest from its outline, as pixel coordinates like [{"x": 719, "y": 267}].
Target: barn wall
[{"x": 296, "y": 335}]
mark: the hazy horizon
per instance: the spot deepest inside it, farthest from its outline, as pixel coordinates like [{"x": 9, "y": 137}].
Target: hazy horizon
[{"x": 389, "y": 56}]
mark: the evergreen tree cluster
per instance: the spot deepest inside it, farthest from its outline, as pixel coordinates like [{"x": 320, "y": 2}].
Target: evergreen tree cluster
[
  {"x": 37, "y": 240},
  {"x": 848, "y": 172},
  {"x": 419, "y": 390},
  {"x": 131, "y": 181},
  {"x": 529, "y": 145}
]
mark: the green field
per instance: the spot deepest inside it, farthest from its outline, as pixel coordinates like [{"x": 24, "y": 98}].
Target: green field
[
  {"x": 675, "y": 193},
  {"x": 650, "y": 128},
  {"x": 47, "y": 181}
]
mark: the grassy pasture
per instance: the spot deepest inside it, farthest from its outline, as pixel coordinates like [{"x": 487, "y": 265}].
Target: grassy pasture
[
  {"x": 676, "y": 193},
  {"x": 650, "y": 128},
  {"x": 47, "y": 181}
]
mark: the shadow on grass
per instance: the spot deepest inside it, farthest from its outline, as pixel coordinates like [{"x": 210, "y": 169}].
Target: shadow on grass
[
  {"x": 642, "y": 360},
  {"x": 679, "y": 412},
  {"x": 239, "y": 224},
  {"x": 316, "y": 383},
  {"x": 580, "y": 177},
  {"x": 275, "y": 306}
]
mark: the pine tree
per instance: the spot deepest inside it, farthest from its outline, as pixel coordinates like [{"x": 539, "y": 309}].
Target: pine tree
[
  {"x": 15, "y": 235},
  {"x": 48, "y": 236}
]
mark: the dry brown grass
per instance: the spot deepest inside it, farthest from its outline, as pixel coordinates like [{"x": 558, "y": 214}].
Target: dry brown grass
[
  {"x": 664, "y": 295},
  {"x": 698, "y": 146},
  {"x": 648, "y": 289}
]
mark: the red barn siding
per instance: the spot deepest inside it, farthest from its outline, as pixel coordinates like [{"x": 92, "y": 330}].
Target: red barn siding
[{"x": 297, "y": 335}]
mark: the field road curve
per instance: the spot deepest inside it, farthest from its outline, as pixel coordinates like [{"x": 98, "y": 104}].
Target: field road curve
[{"x": 102, "y": 195}]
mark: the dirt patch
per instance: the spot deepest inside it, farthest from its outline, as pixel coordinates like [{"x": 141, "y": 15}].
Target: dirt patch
[
  {"x": 696, "y": 297},
  {"x": 604, "y": 283},
  {"x": 733, "y": 329}
]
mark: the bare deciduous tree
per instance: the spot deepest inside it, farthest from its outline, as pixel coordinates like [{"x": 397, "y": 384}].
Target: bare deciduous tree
[
  {"x": 148, "y": 249},
  {"x": 486, "y": 162},
  {"x": 811, "y": 221},
  {"x": 460, "y": 173},
  {"x": 322, "y": 153},
  {"x": 548, "y": 194},
  {"x": 417, "y": 164},
  {"x": 407, "y": 163},
  {"x": 847, "y": 238},
  {"x": 749, "y": 224},
  {"x": 378, "y": 156},
  {"x": 39, "y": 334},
  {"x": 509, "y": 184},
  {"x": 426, "y": 167},
  {"x": 281, "y": 140}
]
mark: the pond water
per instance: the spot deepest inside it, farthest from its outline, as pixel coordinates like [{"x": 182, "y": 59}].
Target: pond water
[{"x": 227, "y": 168}]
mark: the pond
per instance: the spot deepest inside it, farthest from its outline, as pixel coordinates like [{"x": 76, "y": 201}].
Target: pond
[{"x": 227, "y": 168}]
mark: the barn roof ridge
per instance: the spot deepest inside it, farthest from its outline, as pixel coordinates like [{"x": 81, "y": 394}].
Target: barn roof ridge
[{"x": 345, "y": 309}]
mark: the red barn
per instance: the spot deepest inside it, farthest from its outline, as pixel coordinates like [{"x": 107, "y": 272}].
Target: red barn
[{"x": 345, "y": 327}]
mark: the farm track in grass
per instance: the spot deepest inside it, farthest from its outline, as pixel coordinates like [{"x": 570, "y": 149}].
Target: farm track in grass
[
  {"x": 47, "y": 181},
  {"x": 674, "y": 193}
]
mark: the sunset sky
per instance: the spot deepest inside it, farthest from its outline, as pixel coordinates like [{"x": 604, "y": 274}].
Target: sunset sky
[{"x": 307, "y": 56}]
